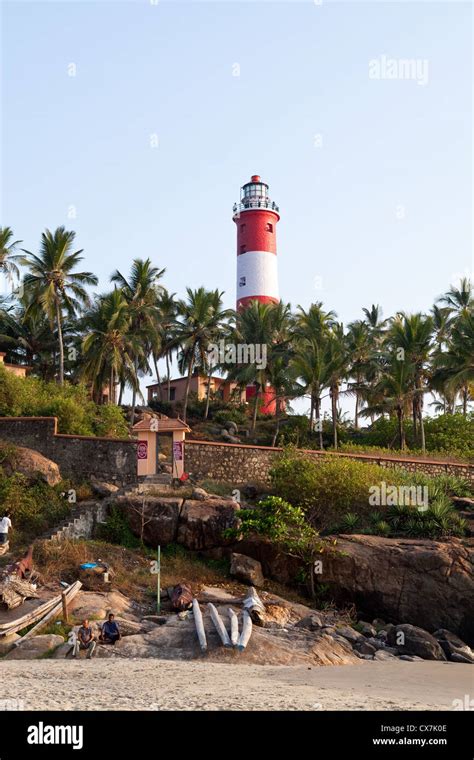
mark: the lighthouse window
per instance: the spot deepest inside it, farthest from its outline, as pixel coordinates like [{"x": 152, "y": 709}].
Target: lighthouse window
[
  {"x": 269, "y": 227},
  {"x": 241, "y": 282}
]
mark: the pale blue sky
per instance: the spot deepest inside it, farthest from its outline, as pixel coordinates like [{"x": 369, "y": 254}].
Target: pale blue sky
[{"x": 390, "y": 148}]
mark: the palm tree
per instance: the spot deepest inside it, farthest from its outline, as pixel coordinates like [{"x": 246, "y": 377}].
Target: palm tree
[
  {"x": 359, "y": 347},
  {"x": 459, "y": 300},
  {"x": 454, "y": 368},
  {"x": 218, "y": 324},
  {"x": 141, "y": 292},
  {"x": 196, "y": 318},
  {"x": 336, "y": 358},
  {"x": 108, "y": 347},
  {"x": 52, "y": 284},
  {"x": 8, "y": 255},
  {"x": 395, "y": 391},
  {"x": 413, "y": 333},
  {"x": 167, "y": 308}
]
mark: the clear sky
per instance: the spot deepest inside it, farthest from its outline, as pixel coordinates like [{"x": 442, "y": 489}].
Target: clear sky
[{"x": 373, "y": 176}]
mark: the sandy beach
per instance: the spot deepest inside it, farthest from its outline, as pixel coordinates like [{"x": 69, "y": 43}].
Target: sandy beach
[{"x": 173, "y": 685}]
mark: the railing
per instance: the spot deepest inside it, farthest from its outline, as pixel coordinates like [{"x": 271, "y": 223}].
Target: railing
[{"x": 250, "y": 204}]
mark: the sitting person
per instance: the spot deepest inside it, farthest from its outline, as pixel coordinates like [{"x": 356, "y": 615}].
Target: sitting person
[
  {"x": 110, "y": 631},
  {"x": 85, "y": 640}
]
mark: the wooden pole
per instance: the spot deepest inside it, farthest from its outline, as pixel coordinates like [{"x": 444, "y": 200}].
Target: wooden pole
[
  {"x": 199, "y": 625},
  {"x": 64, "y": 601},
  {"x": 246, "y": 631},
  {"x": 234, "y": 627},
  {"x": 219, "y": 625},
  {"x": 158, "y": 581}
]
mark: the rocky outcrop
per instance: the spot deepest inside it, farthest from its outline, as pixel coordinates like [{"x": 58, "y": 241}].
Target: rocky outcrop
[
  {"x": 202, "y": 524},
  {"x": 411, "y": 640},
  {"x": 454, "y": 649},
  {"x": 37, "y": 646},
  {"x": 156, "y": 516},
  {"x": 33, "y": 465},
  {"x": 246, "y": 569},
  {"x": 428, "y": 583}
]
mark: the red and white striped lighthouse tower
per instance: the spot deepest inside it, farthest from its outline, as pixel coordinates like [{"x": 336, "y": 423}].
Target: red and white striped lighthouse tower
[{"x": 256, "y": 217}]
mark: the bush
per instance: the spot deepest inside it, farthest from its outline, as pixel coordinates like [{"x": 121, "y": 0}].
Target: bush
[
  {"x": 34, "y": 509},
  {"x": 235, "y": 414},
  {"x": 116, "y": 530},
  {"x": 328, "y": 487},
  {"x": 71, "y": 404}
]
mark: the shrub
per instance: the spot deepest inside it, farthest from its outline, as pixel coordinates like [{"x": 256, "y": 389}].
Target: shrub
[
  {"x": 116, "y": 530},
  {"x": 71, "y": 404},
  {"x": 34, "y": 509},
  {"x": 236, "y": 415}
]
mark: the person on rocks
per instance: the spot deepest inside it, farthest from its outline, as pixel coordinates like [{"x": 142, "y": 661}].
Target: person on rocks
[
  {"x": 110, "y": 631},
  {"x": 5, "y": 526},
  {"x": 85, "y": 640}
]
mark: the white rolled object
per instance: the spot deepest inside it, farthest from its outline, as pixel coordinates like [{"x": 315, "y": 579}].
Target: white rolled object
[
  {"x": 257, "y": 274},
  {"x": 253, "y": 602},
  {"x": 234, "y": 627},
  {"x": 219, "y": 625},
  {"x": 246, "y": 631},
  {"x": 201, "y": 634}
]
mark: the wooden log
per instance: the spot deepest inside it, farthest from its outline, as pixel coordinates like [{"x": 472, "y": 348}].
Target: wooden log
[
  {"x": 64, "y": 603},
  {"x": 16, "y": 625},
  {"x": 234, "y": 627},
  {"x": 246, "y": 631},
  {"x": 71, "y": 593},
  {"x": 201, "y": 634},
  {"x": 219, "y": 626}
]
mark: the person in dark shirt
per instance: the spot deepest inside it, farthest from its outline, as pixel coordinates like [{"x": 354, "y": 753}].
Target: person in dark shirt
[
  {"x": 110, "y": 631},
  {"x": 85, "y": 639}
]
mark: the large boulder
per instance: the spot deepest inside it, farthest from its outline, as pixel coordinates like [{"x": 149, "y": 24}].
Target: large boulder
[
  {"x": 37, "y": 646},
  {"x": 33, "y": 465},
  {"x": 454, "y": 648},
  {"x": 411, "y": 640},
  {"x": 156, "y": 516},
  {"x": 246, "y": 569},
  {"x": 430, "y": 584},
  {"x": 202, "y": 523}
]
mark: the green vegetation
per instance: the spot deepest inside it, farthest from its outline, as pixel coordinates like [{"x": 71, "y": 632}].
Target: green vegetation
[
  {"x": 71, "y": 404},
  {"x": 334, "y": 496},
  {"x": 34, "y": 508}
]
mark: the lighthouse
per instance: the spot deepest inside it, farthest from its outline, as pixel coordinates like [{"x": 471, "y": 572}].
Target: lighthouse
[{"x": 256, "y": 217}]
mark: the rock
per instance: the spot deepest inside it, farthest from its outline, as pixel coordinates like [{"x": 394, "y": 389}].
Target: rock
[
  {"x": 367, "y": 629},
  {"x": 410, "y": 658},
  {"x": 458, "y": 657},
  {"x": 231, "y": 427},
  {"x": 274, "y": 616},
  {"x": 7, "y": 642},
  {"x": 246, "y": 569},
  {"x": 452, "y": 644},
  {"x": 250, "y": 491},
  {"x": 202, "y": 523},
  {"x": 378, "y": 623},
  {"x": 200, "y": 494},
  {"x": 350, "y": 634},
  {"x": 429, "y": 583},
  {"x": 96, "y": 605},
  {"x": 62, "y": 651},
  {"x": 312, "y": 622},
  {"x": 33, "y": 465},
  {"x": 382, "y": 635},
  {"x": 37, "y": 646},
  {"x": 375, "y": 642},
  {"x": 409, "y": 639},
  {"x": 130, "y": 627},
  {"x": 364, "y": 647},
  {"x": 157, "y": 619},
  {"x": 101, "y": 488},
  {"x": 160, "y": 516},
  {"x": 229, "y": 438},
  {"x": 382, "y": 655},
  {"x": 329, "y": 630}
]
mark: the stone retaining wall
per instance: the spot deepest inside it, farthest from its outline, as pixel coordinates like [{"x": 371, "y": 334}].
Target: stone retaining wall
[
  {"x": 78, "y": 457},
  {"x": 239, "y": 463}
]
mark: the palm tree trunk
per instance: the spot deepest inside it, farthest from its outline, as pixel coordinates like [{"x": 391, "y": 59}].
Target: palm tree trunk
[
  {"x": 208, "y": 393},
  {"x": 122, "y": 385},
  {"x": 168, "y": 374},
  {"x": 157, "y": 372},
  {"x": 415, "y": 420},
  {"x": 465, "y": 393},
  {"x": 61, "y": 343},
  {"x": 255, "y": 408},
  {"x": 317, "y": 406},
  {"x": 334, "y": 416},
  {"x": 356, "y": 413},
  {"x": 277, "y": 418},
  {"x": 134, "y": 393},
  {"x": 188, "y": 383},
  {"x": 422, "y": 431},
  {"x": 311, "y": 414},
  {"x": 401, "y": 429}
]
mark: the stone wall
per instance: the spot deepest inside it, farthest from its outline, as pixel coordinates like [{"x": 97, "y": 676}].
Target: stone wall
[
  {"x": 78, "y": 457},
  {"x": 239, "y": 463}
]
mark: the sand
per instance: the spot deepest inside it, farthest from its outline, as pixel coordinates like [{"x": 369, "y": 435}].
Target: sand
[{"x": 197, "y": 685}]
